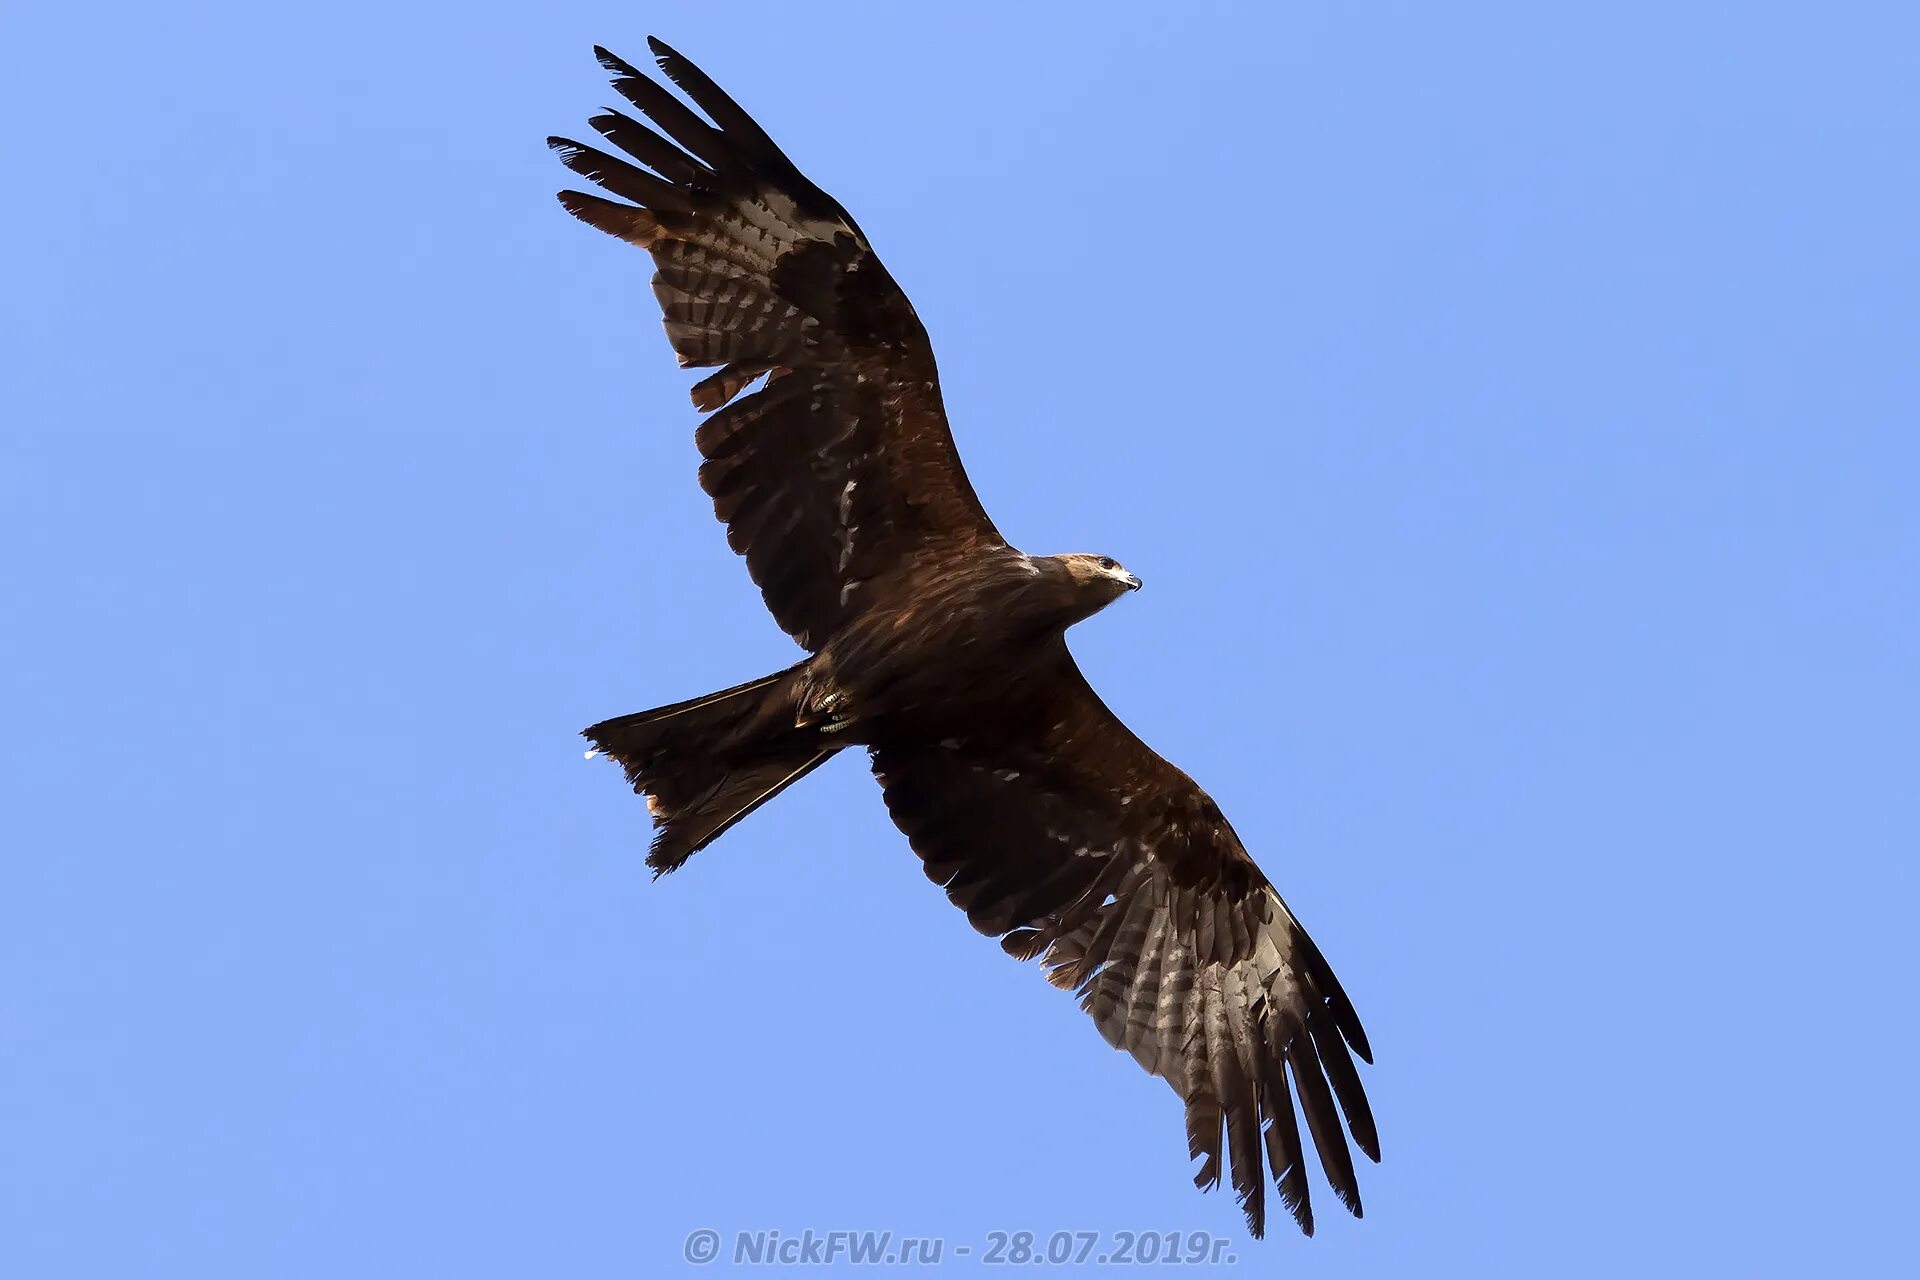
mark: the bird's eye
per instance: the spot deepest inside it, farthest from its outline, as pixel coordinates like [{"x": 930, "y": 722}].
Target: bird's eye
[{"x": 1107, "y": 562}]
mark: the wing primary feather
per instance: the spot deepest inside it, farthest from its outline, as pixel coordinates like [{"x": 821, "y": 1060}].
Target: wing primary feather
[
  {"x": 674, "y": 117},
  {"x": 1241, "y": 1111},
  {"x": 1336, "y": 997},
  {"x": 1345, "y": 1079},
  {"x": 648, "y": 147},
  {"x": 1323, "y": 1122},
  {"x": 621, "y": 221},
  {"x": 720, "y": 107},
  {"x": 619, "y": 177},
  {"x": 1196, "y": 1085},
  {"x": 1106, "y": 1001},
  {"x": 1142, "y": 1035},
  {"x": 1169, "y": 1010},
  {"x": 1203, "y": 1139},
  {"x": 1284, "y": 1153}
]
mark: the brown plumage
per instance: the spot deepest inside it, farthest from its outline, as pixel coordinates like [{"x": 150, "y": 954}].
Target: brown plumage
[{"x": 939, "y": 649}]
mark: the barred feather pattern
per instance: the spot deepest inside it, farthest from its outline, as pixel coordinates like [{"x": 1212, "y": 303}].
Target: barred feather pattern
[
  {"x": 1042, "y": 817},
  {"x": 841, "y": 468},
  {"x": 1142, "y": 902}
]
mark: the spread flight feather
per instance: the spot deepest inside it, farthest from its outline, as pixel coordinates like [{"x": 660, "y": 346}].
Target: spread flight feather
[{"x": 939, "y": 648}]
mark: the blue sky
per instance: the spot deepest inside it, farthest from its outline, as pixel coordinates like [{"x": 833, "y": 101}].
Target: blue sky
[{"x": 1512, "y": 413}]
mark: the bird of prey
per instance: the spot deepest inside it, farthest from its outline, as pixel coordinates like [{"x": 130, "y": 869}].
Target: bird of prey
[{"x": 939, "y": 649}]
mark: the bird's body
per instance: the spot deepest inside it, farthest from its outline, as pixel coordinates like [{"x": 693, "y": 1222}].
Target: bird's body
[
  {"x": 940, "y": 650},
  {"x": 951, "y": 645}
]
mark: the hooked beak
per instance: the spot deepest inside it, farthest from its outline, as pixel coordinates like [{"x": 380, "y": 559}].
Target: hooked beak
[{"x": 1133, "y": 583}]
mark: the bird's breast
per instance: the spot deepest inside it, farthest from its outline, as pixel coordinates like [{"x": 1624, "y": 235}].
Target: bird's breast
[{"x": 942, "y": 645}]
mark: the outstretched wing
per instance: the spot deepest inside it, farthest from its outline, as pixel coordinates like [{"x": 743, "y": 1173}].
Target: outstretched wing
[
  {"x": 841, "y": 467},
  {"x": 1055, "y": 828}
]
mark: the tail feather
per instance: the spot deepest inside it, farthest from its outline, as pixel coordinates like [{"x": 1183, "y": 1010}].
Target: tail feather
[{"x": 706, "y": 763}]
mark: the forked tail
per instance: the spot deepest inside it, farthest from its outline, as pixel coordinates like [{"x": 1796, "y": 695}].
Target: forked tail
[{"x": 706, "y": 763}]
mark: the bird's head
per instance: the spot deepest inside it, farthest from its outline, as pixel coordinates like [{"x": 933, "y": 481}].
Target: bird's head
[{"x": 1096, "y": 581}]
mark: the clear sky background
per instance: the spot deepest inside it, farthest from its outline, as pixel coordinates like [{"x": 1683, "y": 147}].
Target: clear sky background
[{"x": 1512, "y": 411}]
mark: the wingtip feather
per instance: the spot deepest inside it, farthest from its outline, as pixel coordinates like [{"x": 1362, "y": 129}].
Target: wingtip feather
[{"x": 613, "y": 62}]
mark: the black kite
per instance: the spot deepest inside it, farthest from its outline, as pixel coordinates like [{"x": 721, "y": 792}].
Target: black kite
[{"x": 940, "y": 650}]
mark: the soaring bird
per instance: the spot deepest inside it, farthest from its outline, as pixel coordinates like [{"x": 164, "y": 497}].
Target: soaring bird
[{"x": 939, "y": 649}]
